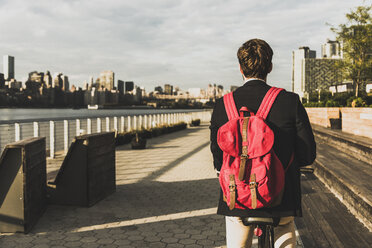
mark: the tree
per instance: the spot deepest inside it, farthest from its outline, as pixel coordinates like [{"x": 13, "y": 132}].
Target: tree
[{"x": 356, "y": 39}]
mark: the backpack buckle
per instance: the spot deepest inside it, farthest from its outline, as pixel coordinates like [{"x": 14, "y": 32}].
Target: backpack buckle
[{"x": 252, "y": 185}]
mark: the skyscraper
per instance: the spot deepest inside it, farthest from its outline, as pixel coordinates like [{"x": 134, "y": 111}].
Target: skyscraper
[
  {"x": 298, "y": 69},
  {"x": 106, "y": 80},
  {"x": 311, "y": 74},
  {"x": 8, "y": 63},
  {"x": 331, "y": 50}
]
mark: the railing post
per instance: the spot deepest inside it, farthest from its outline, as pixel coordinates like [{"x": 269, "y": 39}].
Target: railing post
[
  {"x": 77, "y": 127},
  {"x": 51, "y": 139},
  {"x": 169, "y": 120},
  {"x": 116, "y": 124},
  {"x": 36, "y": 129},
  {"x": 17, "y": 131},
  {"x": 158, "y": 122},
  {"x": 107, "y": 124},
  {"x": 135, "y": 122},
  {"x": 150, "y": 121},
  {"x": 129, "y": 124},
  {"x": 145, "y": 122},
  {"x": 99, "y": 125},
  {"x": 89, "y": 126},
  {"x": 140, "y": 122},
  {"x": 122, "y": 124},
  {"x": 65, "y": 131}
]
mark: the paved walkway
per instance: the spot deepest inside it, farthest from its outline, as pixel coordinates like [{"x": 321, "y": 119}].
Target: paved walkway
[{"x": 166, "y": 197}]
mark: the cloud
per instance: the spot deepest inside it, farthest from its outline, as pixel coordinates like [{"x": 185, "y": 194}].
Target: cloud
[{"x": 187, "y": 43}]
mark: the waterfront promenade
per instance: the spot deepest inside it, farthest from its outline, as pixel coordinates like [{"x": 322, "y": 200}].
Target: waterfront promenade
[{"x": 166, "y": 197}]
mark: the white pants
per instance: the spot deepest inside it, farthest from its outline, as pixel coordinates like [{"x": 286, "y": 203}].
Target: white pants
[{"x": 240, "y": 236}]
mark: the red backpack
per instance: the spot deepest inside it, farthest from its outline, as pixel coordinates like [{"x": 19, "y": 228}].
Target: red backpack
[{"x": 251, "y": 176}]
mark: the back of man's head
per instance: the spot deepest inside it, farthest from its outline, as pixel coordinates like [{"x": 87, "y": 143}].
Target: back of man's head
[{"x": 255, "y": 58}]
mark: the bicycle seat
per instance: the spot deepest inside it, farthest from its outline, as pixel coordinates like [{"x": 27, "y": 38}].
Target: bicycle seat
[{"x": 247, "y": 221}]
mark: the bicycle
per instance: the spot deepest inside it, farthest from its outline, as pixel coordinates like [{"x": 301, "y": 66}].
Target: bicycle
[{"x": 264, "y": 229}]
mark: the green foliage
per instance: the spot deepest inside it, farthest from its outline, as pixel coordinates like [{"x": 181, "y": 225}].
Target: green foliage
[
  {"x": 356, "y": 37},
  {"x": 344, "y": 99},
  {"x": 356, "y": 102}
]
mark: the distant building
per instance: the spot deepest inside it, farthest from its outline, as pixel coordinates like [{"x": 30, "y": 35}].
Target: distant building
[
  {"x": 298, "y": 69},
  {"x": 2, "y": 81},
  {"x": 36, "y": 77},
  {"x": 129, "y": 86},
  {"x": 65, "y": 83},
  {"x": 211, "y": 91},
  {"x": 14, "y": 84},
  {"x": 168, "y": 89},
  {"x": 159, "y": 89},
  {"x": 369, "y": 88},
  {"x": 8, "y": 64},
  {"x": 48, "y": 80},
  {"x": 332, "y": 50},
  {"x": 121, "y": 85},
  {"x": 57, "y": 81},
  {"x": 195, "y": 92},
  {"x": 106, "y": 80}
]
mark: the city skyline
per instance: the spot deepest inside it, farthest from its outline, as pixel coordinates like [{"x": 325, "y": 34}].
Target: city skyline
[{"x": 184, "y": 43}]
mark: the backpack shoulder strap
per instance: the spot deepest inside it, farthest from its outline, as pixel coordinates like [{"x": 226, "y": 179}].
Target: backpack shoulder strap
[
  {"x": 230, "y": 107},
  {"x": 268, "y": 101}
]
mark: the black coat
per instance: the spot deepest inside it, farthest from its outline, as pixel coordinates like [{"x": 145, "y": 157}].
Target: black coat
[{"x": 290, "y": 123}]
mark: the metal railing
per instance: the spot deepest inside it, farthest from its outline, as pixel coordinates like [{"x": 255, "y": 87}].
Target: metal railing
[{"x": 60, "y": 133}]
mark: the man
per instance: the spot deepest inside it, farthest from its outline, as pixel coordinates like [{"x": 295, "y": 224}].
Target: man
[{"x": 293, "y": 134}]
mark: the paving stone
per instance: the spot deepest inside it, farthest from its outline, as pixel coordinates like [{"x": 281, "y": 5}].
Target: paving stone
[
  {"x": 169, "y": 240},
  {"x": 193, "y": 246},
  {"x": 72, "y": 238},
  {"x": 175, "y": 246},
  {"x": 88, "y": 239},
  {"x": 40, "y": 240},
  {"x": 135, "y": 237},
  {"x": 122, "y": 242},
  {"x": 205, "y": 242},
  {"x": 90, "y": 245},
  {"x": 193, "y": 231},
  {"x": 157, "y": 245},
  {"x": 109, "y": 246},
  {"x": 104, "y": 241},
  {"x": 73, "y": 244},
  {"x": 153, "y": 238},
  {"x": 198, "y": 236},
  {"x": 187, "y": 241},
  {"x": 216, "y": 237},
  {"x": 182, "y": 236},
  {"x": 41, "y": 246},
  {"x": 165, "y": 234},
  {"x": 25, "y": 239}
]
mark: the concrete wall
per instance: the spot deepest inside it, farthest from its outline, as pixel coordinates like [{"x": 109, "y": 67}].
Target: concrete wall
[
  {"x": 321, "y": 116},
  {"x": 357, "y": 121}
]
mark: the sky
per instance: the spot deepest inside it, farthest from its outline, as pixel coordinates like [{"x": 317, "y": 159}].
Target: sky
[{"x": 186, "y": 43}]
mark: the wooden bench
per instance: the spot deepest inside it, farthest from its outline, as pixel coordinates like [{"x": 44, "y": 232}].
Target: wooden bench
[
  {"x": 87, "y": 174},
  {"x": 22, "y": 185}
]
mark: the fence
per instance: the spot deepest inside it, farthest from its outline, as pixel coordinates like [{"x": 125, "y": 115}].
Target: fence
[{"x": 60, "y": 133}]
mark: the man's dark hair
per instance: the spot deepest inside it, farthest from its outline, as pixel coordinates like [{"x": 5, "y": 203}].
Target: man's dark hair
[{"x": 255, "y": 58}]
